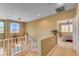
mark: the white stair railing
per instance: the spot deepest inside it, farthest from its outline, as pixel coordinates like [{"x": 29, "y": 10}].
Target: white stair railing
[
  {"x": 1, "y": 47},
  {"x": 13, "y": 46},
  {"x": 33, "y": 44}
]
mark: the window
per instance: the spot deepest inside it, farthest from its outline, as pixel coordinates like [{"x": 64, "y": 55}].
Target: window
[
  {"x": 14, "y": 27},
  {"x": 66, "y": 27},
  {"x": 1, "y": 27},
  {"x": 71, "y": 28},
  {"x": 62, "y": 28}
]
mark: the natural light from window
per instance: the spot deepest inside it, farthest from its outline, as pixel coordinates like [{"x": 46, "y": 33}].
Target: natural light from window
[
  {"x": 1, "y": 27},
  {"x": 14, "y": 27}
]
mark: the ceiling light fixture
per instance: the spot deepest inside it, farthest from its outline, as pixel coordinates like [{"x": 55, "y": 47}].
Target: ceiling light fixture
[
  {"x": 59, "y": 3},
  {"x": 39, "y": 14}
]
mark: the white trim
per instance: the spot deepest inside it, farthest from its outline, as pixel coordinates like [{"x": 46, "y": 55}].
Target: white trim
[
  {"x": 39, "y": 43},
  {"x": 39, "y": 47},
  {"x": 45, "y": 37},
  {"x": 65, "y": 20}
]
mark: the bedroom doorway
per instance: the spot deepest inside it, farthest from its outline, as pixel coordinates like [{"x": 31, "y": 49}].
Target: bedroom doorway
[{"x": 65, "y": 27}]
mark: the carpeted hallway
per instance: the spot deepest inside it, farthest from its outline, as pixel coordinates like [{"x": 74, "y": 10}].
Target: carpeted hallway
[
  {"x": 61, "y": 51},
  {"x": 27, "y": 53},
  {"x": 58, "y": 51}
]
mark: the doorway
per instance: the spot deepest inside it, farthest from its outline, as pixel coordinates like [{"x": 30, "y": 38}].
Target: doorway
[{"x": 65, "y": 27}]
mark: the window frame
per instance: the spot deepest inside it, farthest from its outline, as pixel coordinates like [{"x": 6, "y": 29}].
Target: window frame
[
  {"x": 64, "y": 26},
  {"x": 11, "y": 30},
  {"x": 3, "y": 26}
]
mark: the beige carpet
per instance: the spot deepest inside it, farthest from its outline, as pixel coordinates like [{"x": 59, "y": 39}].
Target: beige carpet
[
  {"x": 27, "y": 53},
  {"x": 58, "y": 51},
  {"x": 61, "y": 51}
]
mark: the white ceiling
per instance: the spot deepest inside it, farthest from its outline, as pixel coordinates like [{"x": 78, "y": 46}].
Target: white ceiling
[{"x": 30, "y": 11}]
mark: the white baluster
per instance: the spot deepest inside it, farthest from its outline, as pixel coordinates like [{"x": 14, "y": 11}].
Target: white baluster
[
  {"x": 4, "y": 49},
  {"x": 18, "y": 42},
  {"x": 31, "y": 44},
  {"x": 15, "y": 45},
  {"x": 12, "y": 46},
  {"x": 8, "y": 47},
  {"x": 25, "y": 41}
]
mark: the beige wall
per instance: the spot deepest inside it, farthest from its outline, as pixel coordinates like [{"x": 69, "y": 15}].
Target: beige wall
[
  {"x": 77, "y": 8},
  {"x": 7, "y": 33},
  {"x": 21, "y": 32},
  {"x": 47, "y": 45},
  {"x": 42, "y": 27}
]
